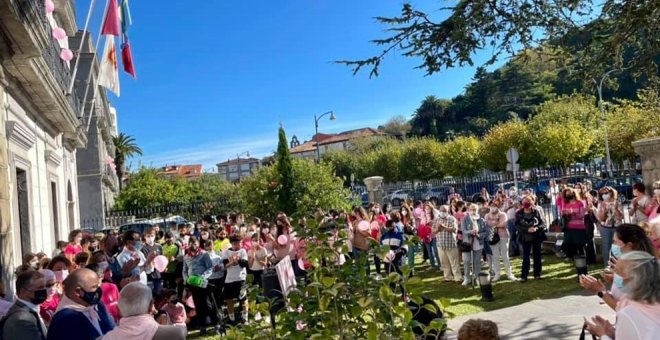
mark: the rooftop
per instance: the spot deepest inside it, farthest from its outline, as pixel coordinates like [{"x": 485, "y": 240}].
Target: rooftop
[
  {"x": 186, "y": 171},
  {"x": 325, "y": 139}
]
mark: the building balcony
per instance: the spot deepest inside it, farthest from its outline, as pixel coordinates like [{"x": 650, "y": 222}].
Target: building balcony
[
  {"x": 40, "y": 79},
  {"x": 110, "y": 179}
]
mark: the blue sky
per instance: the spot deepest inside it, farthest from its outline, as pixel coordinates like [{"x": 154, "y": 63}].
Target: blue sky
[{"x": 216, "y": 78}]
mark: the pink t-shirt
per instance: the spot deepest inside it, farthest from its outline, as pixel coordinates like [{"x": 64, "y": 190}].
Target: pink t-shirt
[
  {"x": 177, "y": 313},
  {"x": 459, "y": 217},
  {"x": 578, "y": 210},
  {"x": 495, "y": 219},
  {"x": 48, "y": 308},
  {"x": 72, "y": 250},
  {"x": 110, "y": 299}
]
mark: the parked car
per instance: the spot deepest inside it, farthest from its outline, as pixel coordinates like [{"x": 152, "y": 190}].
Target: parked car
[
  {"x": 140, "y": 227},
  {"x": 437, "y": 195},
  {"x": 623, "y": 185},
  {"x": 398, "y": 196},
  {"x": 542, "y": 187},
  {"x": 111, "y": 230}
]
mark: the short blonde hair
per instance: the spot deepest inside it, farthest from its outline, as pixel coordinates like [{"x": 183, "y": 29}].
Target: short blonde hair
[{"x": 478, "y": 329}]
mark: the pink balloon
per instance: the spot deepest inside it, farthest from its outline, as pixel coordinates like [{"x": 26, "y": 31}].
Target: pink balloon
[
  {"x": 59, "y": 33},
  {"x": 390, "y": 257},
  {"x": 363, "y": 226},
  {"x": 374, "y": 225},
  {"x": 66, "y": 54},
  {"x": 301, "y": 264},
  {"x": 160, "y": 262},
  {"x": 282, "y": 240},
  {"x": 50, "y": 6}
]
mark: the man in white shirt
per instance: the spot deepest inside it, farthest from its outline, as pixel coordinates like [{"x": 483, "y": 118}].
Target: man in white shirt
[
  {"x": 236, "y": 262},
  {"x": 133, "y": 250}
]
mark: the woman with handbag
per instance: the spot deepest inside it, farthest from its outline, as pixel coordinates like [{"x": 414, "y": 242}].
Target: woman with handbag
[
  {"x": 531, "y": 230},
  {"x": 474, "y": 234},
  {"x": 499, "y": 239},
  {"x": 610, "y": 215}
]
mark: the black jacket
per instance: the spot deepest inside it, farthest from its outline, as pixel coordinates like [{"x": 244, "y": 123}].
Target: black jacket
[
  {"x": 22, "y": 323},
  {"x": 523, "y": 223}
]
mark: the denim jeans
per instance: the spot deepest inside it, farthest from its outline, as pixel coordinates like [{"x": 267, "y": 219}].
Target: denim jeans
[
  {"x": 513, "y": 236},
  {"x": 472, "y": 264},
  {"x": 432, "y": 250},
  {"x": 529, "y": 248},
  {"x": 606, "y": 237}
]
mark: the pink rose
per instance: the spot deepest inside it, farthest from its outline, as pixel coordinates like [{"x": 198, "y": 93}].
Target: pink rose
[{"x": 300, "y": 325}]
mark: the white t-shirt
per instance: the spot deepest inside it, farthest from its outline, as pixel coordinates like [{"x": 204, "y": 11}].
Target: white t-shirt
[
  {"x": 637, "y": 321},
  {"x": 236, "y": 273}
]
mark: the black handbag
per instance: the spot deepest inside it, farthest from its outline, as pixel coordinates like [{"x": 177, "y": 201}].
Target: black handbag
[
  {"x": 464, "y": 247},
  {"x": 583, "y": 335},
  {"x": 494, "y": 237}
]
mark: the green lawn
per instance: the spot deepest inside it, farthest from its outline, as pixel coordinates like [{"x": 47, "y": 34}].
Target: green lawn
[{"x": 558, "y": 279}]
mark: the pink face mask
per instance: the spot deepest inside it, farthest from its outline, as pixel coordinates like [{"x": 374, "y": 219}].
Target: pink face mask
[{"x": 60, "y": 275}]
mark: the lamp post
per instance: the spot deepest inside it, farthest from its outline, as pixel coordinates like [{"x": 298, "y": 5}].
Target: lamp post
[
  {"x": 599, "y": 86},
  {"x": 316, "y": 136},
  {"x": 581, "y": 266},
  {"x": 238, "y": 162}
]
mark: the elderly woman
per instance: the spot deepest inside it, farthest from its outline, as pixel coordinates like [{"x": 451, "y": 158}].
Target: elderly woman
[
  {"x": 655, "y": 202},
  {"x": 640, "y": 319},
  {"x": 610, "y": 216},
  {"x": 474, "y": 233},
  {"x": 531, "y": 227}
]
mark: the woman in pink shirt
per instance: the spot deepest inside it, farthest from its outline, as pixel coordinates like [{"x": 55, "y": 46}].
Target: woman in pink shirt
[
  {"x": 47, "y": 308},
  {"x": 572, "y": 211},
  {"x": 74, "y": 247},
  {"x": 175, "y": 311}
]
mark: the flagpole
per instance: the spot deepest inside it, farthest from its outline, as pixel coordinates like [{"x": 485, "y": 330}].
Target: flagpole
[
  {"x": 91, "y": 71},
  {"x": 80, "y": 47}
]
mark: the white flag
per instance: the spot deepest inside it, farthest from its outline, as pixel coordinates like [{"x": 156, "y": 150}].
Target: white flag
[{"x": 109, "y": 71}]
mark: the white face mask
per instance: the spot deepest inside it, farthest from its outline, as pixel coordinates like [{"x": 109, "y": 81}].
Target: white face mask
[
  {"x": 404, "y": 213},
  {"x": 150, "y": 240},
  {"x": 103, "y": 266},
  {"x": 52, "y": 291},
  {"x": 443, "y": 214},
  {"x": 656, "y": 192},
  {"x": 34, "y": 264},
  {"x": 377, "y": 210},
  {"x": 606, "y": 197},
  {"x": 186, "y": 238},
  {"x": 493, "y": 209}
]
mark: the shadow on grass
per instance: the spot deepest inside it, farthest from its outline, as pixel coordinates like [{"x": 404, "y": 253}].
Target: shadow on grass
[{"x": 559, "y": 279}]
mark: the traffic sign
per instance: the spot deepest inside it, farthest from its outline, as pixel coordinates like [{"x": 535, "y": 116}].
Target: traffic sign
[
  {"x": 512, "y": 167},
  {"x": 512, "y": 155}
]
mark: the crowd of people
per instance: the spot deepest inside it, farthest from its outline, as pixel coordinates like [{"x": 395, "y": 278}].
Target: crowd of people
[{"x": 117, "y": 286}]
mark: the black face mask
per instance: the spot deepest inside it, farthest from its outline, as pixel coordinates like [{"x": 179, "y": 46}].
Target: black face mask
[
  {"x": 92, "y": 298},
  {"x": 570, "y": 197},
  {"x": 174, "y": 301},
  {"x": 40, "y": 296}
]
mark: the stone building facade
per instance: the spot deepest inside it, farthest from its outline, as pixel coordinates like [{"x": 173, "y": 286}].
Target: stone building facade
[{"x": 39, "y": 132}]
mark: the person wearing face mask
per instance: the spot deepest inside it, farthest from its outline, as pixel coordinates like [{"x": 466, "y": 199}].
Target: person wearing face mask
[
  {"x": 133, "y": 251},
  {"x": 23, "y": 320},
  {"x": 640, "y": 318},
  {"x": 573, "y": 211},
  {"x": 81, "y": 315},
  {"x": 627, "y": 238},
  {"x": 640, "y": 205},
  {"x": 154, "y": 279},
  {"x": 655, "y": 202},
  {"x": 446, "y": 229},
  {"x": 47, "y": 308},
  {"x": 531, "y": 228},
  {"x": 610, "y": 215},
  {"x": 474, "y": 233},
  {"x": 429, "y": 239},
  {"x": 174, "y": 309},
  {"x": 197, "y": 268},
  {"x": 497, "y": 221},
  {"x": 31, "y": 260},
  {"x": 171, "y": 251},
  {"x": 109, "y": 291}
]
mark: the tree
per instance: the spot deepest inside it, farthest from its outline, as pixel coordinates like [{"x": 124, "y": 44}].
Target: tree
[
  {"x": 502, "y": 137},
  {"x": 211, "y": 189},
  {"x": 315, "y": 186},
  {"x": 285, "y": 178},
  {"x": 562, "y": 144},
  {"x": 148, "y": 189},
  {"x": 426, "y": 118},
  {"x": 420, "y": 159},
  {"x": 125, "y": 147},
  {"x": 631, "y": 121},
  {"x": 461, "y": 157},
  {"x": 397, "y": 126},
  {"x": 614, "y": 28}
]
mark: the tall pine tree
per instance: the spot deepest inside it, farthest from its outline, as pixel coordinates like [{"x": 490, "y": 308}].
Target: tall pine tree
[{"x": 285, "y": 200}]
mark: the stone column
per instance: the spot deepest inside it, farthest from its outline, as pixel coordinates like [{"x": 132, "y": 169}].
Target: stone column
[
  {"x": 6, "y": 234},
  {"x": 649, "y": 152},
  {"x": 374, "y": 189}
]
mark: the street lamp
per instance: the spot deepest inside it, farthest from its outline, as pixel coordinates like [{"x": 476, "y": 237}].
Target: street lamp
[
  {"x": 485, "y": 286},
  {"x": 316, "y": 126},
  {"x": 238, "y": 162},
  {"x": 608, "y": 163}
]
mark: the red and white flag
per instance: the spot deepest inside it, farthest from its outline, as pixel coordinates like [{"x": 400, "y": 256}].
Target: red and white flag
[{"x": 109, "y": 70}]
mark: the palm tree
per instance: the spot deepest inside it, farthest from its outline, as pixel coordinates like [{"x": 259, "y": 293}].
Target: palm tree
[{"x": 125, "y": 147}]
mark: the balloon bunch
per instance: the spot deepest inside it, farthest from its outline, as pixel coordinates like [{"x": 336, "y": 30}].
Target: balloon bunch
[{"x": 58, "y": 32}]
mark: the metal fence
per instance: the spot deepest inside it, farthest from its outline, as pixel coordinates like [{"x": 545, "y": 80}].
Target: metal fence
[{"x": 156, "y": 214}]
